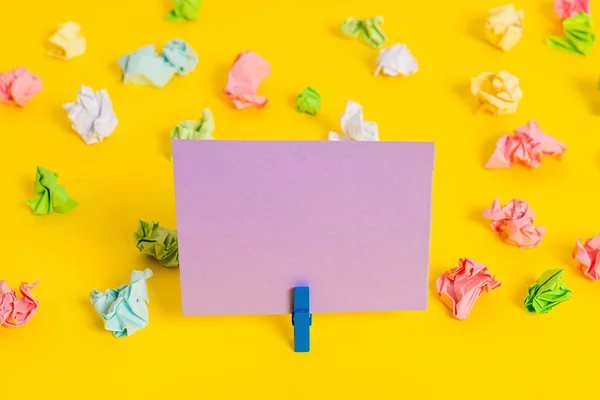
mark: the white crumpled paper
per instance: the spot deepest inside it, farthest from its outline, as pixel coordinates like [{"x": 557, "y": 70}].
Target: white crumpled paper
[
  {"x": 354, "y": 125},
  {"x": 396, "y": 60},
  {"x": 92, "y": 115}
]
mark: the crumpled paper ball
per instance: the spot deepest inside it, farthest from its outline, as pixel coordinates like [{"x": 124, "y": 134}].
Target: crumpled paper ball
[
  {"x": 547, "y": 292},
  {"x": 51, "y": 196},
  {"x": 15, "y": 311},
  {"x": 526, "y": 147},
  {"x": 570, "y": 8},
  {"x": 145, "y": 67},
  {"x": 588, "y": 257},
  {"x": 460, "y": 288},
  {"x": 185, "y": 9},
  {"x": 195, "y": 130},
  {"x": 247, "y": 72},
  {"x": 368, "y": 30},
  {"x": 18, "y": 86},
  {"x": 92, "y": 115},
  {"x": 354, "y": 125},
  {"x": 309, "y": 101},
  {"x": 68, "y": 41},
  {"x": 124, "y": 310},
  {"x": 504, "y": 26},
  {"x": 158, "y": 242},
  {"x": 396, "y": 60},
  {"x": 514, "y": 223},
  {"x": 499, "y": 93}
]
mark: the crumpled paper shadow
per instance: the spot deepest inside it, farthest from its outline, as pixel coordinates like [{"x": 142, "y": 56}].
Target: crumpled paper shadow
[
  {"x": 462, "y": 90},
  {"x": 475, "y": 28},
  {"x": 591, "y": 94},
  {"x": 563, "y": 253},
  {"x": 521, "y": 292},
  {"x": 546, "y": 9}
]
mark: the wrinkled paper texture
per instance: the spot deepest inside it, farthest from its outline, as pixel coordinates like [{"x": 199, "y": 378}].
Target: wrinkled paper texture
[
  {"x": 570, "y": 8},
  {"x": 18, "y": 86},
  {"x": 192, "y": 130},
  {"x": 504, "y": 26},
  {"x": 92, "y": 115},
  {"x": 145, "y": 67},
  {"x": 547, "y": 292},
  {"x": 185, "y": 10},
  {"x": 396, "y": 60},
  {"x": 587, "y": 255},
  {"x": 248, "y": 71},
  {"x": 526, "y": 147},
  {"x": 124, "y": 310},
  {"x": 579, "y": 38},
  {"x": 368, "y": 30},
  {"x": 514, "y": 223},
  {"x": 158, "y": 242},
  {"x": 50, "y": 195},
  {"x": 309, "y": 101},
  {"x": 462, "y": 286},
  {"x": 16, "y": 311},
  {"x": 354, "y": 126},
  {"x": 68, "y": 41},
  {"x": 498, "y": 94}
]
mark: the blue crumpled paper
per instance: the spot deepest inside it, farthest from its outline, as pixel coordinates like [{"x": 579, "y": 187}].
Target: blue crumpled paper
[
  {"x": 145, "y": 67},
  {"x": 125, "y": 309}
]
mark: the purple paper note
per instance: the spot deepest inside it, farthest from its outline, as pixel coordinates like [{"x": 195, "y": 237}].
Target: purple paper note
[{"x": 351, "y": 220}]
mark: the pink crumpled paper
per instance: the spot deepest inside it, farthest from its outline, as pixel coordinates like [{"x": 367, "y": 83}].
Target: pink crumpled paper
[
  {"x": 18, "y": 86},
  {"x": 16, "y": 311},
  {"x": 248, "y": 71},
  {"x": 570, "y": 8},
  {"x": 527, "y": 146},
  {"x": 588, "y": 257},
  {"x": 462, "y": 286},
  {"x": 514, "y": 223}
]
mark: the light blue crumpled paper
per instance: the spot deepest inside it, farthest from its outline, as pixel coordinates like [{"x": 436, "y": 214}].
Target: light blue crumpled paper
[
  {"x": 124, "y": 310},
  {"x": 145, "y": 67}
]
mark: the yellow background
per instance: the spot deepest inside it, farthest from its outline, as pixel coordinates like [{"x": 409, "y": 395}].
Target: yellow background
[{"x": 500, "y": 351}]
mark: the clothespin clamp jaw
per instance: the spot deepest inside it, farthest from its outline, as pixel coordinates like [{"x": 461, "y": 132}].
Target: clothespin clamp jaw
[{"x": 301, "y": 319}]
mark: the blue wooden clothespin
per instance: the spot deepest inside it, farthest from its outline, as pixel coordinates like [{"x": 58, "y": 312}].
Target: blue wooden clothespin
[{"x": 301, "y": 319}]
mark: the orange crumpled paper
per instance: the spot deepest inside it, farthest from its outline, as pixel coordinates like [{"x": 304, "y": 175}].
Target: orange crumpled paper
[
  {"x": 499, "y": 93},
  {"x": 588, "y": 257},
  {"x": 16, "y": 311},
  {"x": 248, "y": 71},
  {"x": 570, "y": 8},
  {"x": 462, "y": 286},
  {"x": 526, "y": 147},
  {"x": 514, "y": 223},
  {"x": 18, "y": 86}
]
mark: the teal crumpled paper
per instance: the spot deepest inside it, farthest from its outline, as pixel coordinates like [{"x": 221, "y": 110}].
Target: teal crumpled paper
[
  {"x": 145, "y": 67},
  {"x": 124, "y": 309}
]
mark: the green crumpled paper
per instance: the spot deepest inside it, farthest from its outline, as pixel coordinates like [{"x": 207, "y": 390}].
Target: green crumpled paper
[
  {"x": 547, "y": 292},
  {"x": 368, "y": 31},
  {"x": 51, "y": 196},
  {"x": 185, "y": 9},
  {"x": 580, "y": 38},
  {"x": 309, "y": 101},
  {"x": 192, "y": 130},
  {"x": 158, "y": 242}
]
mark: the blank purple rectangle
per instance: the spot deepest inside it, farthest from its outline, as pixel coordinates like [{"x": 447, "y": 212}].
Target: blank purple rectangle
[{"x": 351, "y": 220}]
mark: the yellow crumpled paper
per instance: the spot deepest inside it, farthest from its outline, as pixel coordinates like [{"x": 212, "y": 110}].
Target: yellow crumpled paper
[
  {"x": 499, "y": 93},
  {"x": 68, "y": 41},
  {"x": 504, "y": 26}
]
